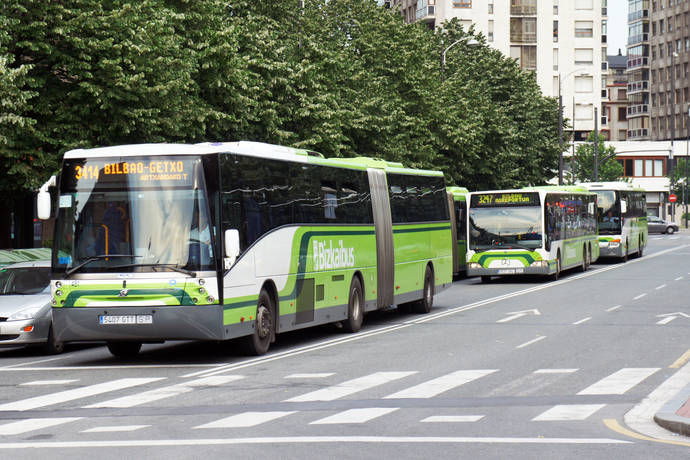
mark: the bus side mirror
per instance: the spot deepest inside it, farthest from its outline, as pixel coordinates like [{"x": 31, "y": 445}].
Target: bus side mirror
[
  {"x": 43, "y": 200},
  {"x": 624, "y": 207},
  {"x": 232, "y": 246}
]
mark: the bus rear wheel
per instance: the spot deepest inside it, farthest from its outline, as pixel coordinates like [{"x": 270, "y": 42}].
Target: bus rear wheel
[
  {"x": 640, "y": 250},
  {"x": 264, "y": 326},
  {"x": 427, "y": 302},
  {"x": 124, "y": 350},
  {"x": 355, "y": 307},
  {"x": 585, "y": 259}
]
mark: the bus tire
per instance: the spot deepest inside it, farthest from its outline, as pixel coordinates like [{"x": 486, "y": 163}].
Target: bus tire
[
  {"x": 555, "y": 276},
  {"x": 585, "y": 261},
  {"x": 427, "y": 302},
  {"x": 52, "y": 345},
  {"x": 124, "y": 350},
  {"x": 264, "y": 325},
  {"x": 624, "y": 259},
  {"x": 486, "y": 279},
  {"x": 640, "y": 250},
  {"x": 355, "y": 307}
]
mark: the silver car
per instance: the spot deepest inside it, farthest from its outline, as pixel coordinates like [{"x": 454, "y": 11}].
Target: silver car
[
  {"x": 659, "y": 225},
  {"x": 25, "y": 314}
]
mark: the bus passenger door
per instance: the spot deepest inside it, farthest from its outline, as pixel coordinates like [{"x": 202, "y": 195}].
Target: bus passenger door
[{"x": 384, "y": 237}]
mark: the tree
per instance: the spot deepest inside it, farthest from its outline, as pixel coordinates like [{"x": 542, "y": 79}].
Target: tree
[
  {"x": 680, "y": 179},
  {"x": 583, "y": 166}
]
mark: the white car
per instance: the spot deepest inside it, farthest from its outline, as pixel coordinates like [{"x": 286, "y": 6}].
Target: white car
[{"x": 25, "y": 314}]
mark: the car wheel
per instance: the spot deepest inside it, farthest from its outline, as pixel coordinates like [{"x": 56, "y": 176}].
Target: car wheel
[{"x": 670, "y": 230}]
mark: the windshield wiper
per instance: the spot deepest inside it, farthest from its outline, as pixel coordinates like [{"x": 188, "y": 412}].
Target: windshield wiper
[
  {"x": 519, "y": 246},
  {"x": 504, "y": 246},
  {"x": 173, "y": 267},
  {"x": 95, "y": 258}
]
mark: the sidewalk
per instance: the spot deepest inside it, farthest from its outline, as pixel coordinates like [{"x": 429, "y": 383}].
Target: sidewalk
[{"x": 675, "y": 415}]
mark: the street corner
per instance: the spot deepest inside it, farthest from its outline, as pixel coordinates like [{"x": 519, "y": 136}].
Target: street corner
[{"x": 675, "y": 414}]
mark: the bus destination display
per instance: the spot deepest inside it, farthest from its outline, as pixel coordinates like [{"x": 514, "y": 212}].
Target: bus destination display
[
  {"x": 102, "y": 172},
  {"x": 505, "y": 199}
]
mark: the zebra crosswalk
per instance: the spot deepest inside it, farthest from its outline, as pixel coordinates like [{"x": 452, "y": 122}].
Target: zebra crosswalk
[{"x": 408, "y": 385}]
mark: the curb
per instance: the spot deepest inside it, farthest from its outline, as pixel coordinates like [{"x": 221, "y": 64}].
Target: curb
[{"x": 668, "y": 416}]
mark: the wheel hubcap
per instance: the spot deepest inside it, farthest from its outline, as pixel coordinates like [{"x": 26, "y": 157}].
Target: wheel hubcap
[
  {"x": 356, "y": 307},
  {"x": 263, "y": 321}
]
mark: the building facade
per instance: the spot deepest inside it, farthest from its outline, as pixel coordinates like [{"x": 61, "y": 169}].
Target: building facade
[
  {"x": 562, "y": 41},
  {"x": 614, "y": 126},
  {"x": 638, "y": 70}
]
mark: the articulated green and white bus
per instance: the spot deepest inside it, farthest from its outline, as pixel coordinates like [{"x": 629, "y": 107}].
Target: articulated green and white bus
[
  {"x": 622, "y": 214},
  {"x": 537, "y": 230},
  {"x": 222, "y": 240},
  {"x": 457, "y": 198}
]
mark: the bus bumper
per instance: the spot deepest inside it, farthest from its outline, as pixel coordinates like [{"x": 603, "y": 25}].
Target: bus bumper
[
  {"x": 610, "y": 249},
  {"x": 532, "y": 270},
  {"x": 141, "y": 324}
]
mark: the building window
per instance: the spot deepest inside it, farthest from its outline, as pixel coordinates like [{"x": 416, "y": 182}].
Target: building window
[
  {"x": 462, "y": 3},
  {"x": 555, "y": 31},
  {"x": 584, "y": 56},
  {"x": 638, "y": 171},
  {"x": 622, "y": 95},
  {"x": 584, "y": 84},
  {"x": 491, "y": 6},
  {"x": 662, "y": 29},
  {"x": 583, "y": 4},
  {"x": 622, "y": 134},
  {"x": 555, "y": 7},
  {"x": 583, "y": 29},
  {"x": 491, "y": 30},
  {"x": 622, "y": 114}
]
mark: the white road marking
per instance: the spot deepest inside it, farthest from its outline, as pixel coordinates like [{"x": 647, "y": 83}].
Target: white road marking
[
  {"x": 640, "y": 296},
  {"x": 679, "y": 278},
  {"x": 614, "y": 308},
  {"x": 92, "y": 368},
  {"x": 310, "y": 376},
  {"x": 33, "y": 424},
  {"x": 519, "y": 314},
  {"x": 660, "y": 287},
  {"x": 583, "y": 320},
  {"x": 77, "y": 393},
  {"x": 307, "y": 440},
  {"x": 555, "y": 371},
  {"x": 452, "y": 419},
  {"x": 33, "y": 362},
  {"x": 165, "y": 392},
  {"x": 526, "y": 344},
  {"x": 439, "y": 385},
  {"x": 666, "y": 320},
  {"x": 351, "y": 386},
  {"x": 245, "y": 419},
  {"x": 619, "y": 382},
  {"x": 49, "y": 382},
  {"x": 115, "y": 429},
  {"x": 230, "y": 367},
  {"x": 362, "y": 415},
  {"x": 568, "y": 412}
]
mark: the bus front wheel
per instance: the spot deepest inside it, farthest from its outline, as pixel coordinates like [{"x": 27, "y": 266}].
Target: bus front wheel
[
  {"x": 264, "y": 325},
  {"x": 124, "y": 350},
  {"x": 424, "y": 305},
  {"x": 555, "y": 276},
  {"x": 355, "y": 308}
]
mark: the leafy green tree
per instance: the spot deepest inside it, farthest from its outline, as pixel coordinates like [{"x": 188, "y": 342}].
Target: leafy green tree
[
  {"x": 583, "y": 165},
  {"x": 679, "y": 178}
]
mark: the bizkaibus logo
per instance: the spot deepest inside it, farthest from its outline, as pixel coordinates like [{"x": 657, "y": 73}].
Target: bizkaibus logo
[{"x": 328, "y": 257}]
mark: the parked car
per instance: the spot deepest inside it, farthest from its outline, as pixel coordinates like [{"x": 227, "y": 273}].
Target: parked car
[
  {"x": 26, "y": 317},
  {"x": 659, "y": 225}
]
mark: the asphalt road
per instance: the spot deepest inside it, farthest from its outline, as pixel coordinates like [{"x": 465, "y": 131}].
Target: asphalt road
[{"x": 519, "y": 368}]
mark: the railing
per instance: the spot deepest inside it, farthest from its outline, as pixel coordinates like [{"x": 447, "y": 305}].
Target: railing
[
  {"x": 639, "y": 109},
  {"x": 523, "y": 37},
  {"x": 523, "y": 10},
  {"x": 639, "y": 38},
  {"x": 638, "y": 133},
  {"x": 641, "y": 61},
  {"x": 643, "y": 13}
]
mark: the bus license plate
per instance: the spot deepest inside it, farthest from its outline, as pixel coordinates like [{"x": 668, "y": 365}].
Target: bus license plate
[
  {"x": 125, "y": 319},
  {"x": 510, "y": 271}
]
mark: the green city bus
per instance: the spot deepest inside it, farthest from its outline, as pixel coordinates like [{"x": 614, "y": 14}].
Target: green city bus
[
  {"x": 215, "y": 241},
  {"x": 536, "y": 230},
  {"x": 622, "y": 215},
  {"x": 457, "y": 197}
]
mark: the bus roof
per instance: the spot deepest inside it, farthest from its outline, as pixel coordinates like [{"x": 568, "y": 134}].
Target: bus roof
[
  {"x": 459, "y": 193},
  {"x": 620, "y": 185},
  {"x": 249, "y": 148}
]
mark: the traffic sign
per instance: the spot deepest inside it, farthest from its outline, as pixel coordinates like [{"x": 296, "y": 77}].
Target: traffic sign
[{"x": 672, "y": 198}]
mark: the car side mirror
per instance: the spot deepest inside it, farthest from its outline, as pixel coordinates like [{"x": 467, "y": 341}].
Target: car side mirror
[{"x": 232, "y": 246}]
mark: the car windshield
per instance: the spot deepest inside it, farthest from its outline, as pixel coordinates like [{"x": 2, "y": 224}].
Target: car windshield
[
  {"x": 24, "y": 281},
  {"x": 516, "y": 227}
]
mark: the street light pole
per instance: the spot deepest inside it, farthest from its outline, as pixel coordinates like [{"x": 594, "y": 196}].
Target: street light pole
[
  {"x": 470, "y": 42},
  {"x": 596, "y": 144},
  {"x": 673, "y": 132},
  {"x": 560, "y": 133}
]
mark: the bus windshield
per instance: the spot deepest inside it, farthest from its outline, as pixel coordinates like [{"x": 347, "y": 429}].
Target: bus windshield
[
  {"x": 505, "y": 227},
  {"x": 133, "y": 215},
  {"x": 609, "y": 212}
]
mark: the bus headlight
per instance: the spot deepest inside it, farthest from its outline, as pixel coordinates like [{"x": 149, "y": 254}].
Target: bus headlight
[
  {"x": 474, "y": 265},
  {"x": 614, "y": 244},
  {"x": 539, "y": 263}
]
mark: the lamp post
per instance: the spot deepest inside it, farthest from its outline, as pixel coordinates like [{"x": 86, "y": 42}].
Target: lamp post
[
  {"x": 673, "y": 132},
  {"x": 560, "y": 125},
  {"x": 470, "y": 42}
]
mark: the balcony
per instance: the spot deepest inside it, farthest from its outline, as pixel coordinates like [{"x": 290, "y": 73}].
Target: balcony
[
  {"x": 523, "y": 37},
  {"x": 426, "y": 13},
  {"x": 638, "y": 134},
  {"x": 638, "y": 86},
  {"x": 639, "y": 38},
  {"x": 638, "y": 110},
  {"x": 635, "y": 15},
  {"x": 637, "y": 62},
  {"x": 523, "y": 10}
]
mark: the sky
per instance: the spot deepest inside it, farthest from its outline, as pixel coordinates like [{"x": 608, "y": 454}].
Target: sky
[{"x": 617, "y": 36}]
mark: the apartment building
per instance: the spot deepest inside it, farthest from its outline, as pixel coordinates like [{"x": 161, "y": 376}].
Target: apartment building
[
  {"x": 614, "y": 126},
  {"x": 638, "y": 70},
  {"x": 562, "y": 41},
  {"x": 669, "y": 78}
]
